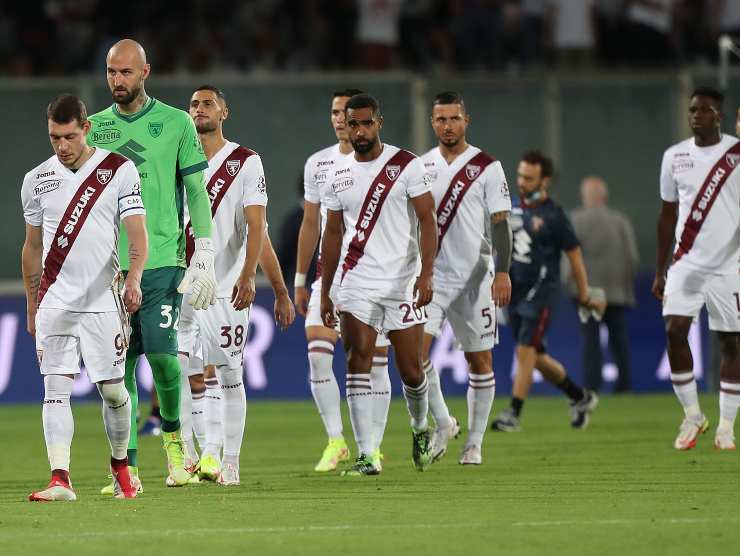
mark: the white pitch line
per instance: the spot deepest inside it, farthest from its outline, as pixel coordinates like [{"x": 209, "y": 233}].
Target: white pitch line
[{"x": 359, "y": 527}]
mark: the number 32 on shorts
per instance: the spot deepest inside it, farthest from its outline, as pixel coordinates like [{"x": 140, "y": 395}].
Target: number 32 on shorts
[
  {"x": 412, "y": 313},
  {"x": 168, "y": 320}
]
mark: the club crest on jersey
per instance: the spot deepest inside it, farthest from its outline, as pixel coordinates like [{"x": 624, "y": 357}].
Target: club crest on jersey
[
  {"x": 472, "y": 171},
  {"x": 232, "y": 166},
  {"x": 155, "y": 129},
  {"x": 732, "y": 159},
  {"x": 392, "y": 171},
  {"x": 104, "y": 175}
]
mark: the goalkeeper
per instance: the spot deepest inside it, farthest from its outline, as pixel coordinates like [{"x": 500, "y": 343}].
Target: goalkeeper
[{"x": 162, "y": 142}]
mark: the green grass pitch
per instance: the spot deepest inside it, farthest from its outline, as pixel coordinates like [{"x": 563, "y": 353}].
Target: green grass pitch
[{"x": 615, "y": 488}]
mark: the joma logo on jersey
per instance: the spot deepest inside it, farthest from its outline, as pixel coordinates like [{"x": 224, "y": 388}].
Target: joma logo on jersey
[
  {"x": 69, "y": 227},
  {"x": 217, "y": 185},
  {"x": 698, "y": 213},
  {"x": 450, "y": 204},
  {"x": 232, "y": 166},
  {"x": 372, "y": 206},
  {"x": 106, "y": 136},
  {"x": 103, "y": 175},
  {"x": 392, "y": 171},
  {"x": 155, "y": 129}
]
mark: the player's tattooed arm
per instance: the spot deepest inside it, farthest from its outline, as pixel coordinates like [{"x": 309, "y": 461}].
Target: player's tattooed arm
[
  {"x": 331, "y": 246},
  {"x": 666, "y": 228},
  {"x": 138, "y": 248},
  {"x": 502, "y": 242},
  {"x": 428, "y": 244},
  {"x": 33, "y": 249},
  {"x": 283, "y": 310}
]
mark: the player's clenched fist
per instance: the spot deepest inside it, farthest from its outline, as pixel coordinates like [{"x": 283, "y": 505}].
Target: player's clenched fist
[
  {"x": 328, "y": 316},
  {"x": 243, "y": 293},
  {"x": 423, "y": 290}
]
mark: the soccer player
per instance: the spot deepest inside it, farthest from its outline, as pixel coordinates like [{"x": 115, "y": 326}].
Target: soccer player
[
  {"x": 164, "y": 145},
  {"x": 541, "y": 232},
  {"x": 383, "y": 202},
  {"x": 700, "y": 192},
  {"x": 473, "y": 206},
  {"x": 74, "y": 204},
  {"x": 322, "y": 340}
]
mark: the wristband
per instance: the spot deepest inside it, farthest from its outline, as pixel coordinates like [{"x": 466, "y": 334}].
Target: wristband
[{"x": 300, "y": 280}]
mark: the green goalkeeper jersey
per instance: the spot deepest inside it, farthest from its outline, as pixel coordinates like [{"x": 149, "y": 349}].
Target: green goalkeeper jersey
[{"x": 164, "y": 145}]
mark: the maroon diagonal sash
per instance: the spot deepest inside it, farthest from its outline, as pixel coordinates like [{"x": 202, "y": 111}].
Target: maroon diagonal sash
[
  {"x": 457, "y": 189},
  {"x": 370, "y": 211},
  {"x": 217, "y": 187},
  {"x": 705, "y": 198},
  {"x": 74, "y": 218}
]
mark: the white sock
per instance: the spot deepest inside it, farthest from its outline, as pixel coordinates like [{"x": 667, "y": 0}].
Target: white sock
[
  {"x": 481, "y": 390},
  {"x": 116, "y": 416},
  {"x": 417, "y": 403},
  {"x": 213, "y": 418},
  {"x": 186, "y": 406},
  {"x": 59, "y": 426},
  {"x": 381, "y": 384},
  {"x": 684, "y": 385},
  {"x": 324, "y": 386},
  {"x": 199, "y": 414},
  {"x": 437, "y": 404},
  {"x": 729, "y": 402},
  {"x": 235, "y": 410},
  {"x": 360, "y": 402}
]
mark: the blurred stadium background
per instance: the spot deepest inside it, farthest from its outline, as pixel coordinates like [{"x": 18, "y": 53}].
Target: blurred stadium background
[{"x": 600, "y": 85}]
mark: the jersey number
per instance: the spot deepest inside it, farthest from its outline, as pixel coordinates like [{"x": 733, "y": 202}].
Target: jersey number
[
  {"x": 238, "y": 336},
  {"x": 118, "y": 343},
  {"x": 408, "y": 308},
  {"x": 168, "y": 321},
  {"x": 130, "y": 150},
  {"x": 486, "y": 314}
]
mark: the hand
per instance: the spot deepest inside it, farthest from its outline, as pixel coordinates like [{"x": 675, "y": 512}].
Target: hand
[
  {"x": 132, "y": 293},
  {"x": 658, "y": 286},
  {"x": 284, "y": 311},
  {"x": 423, "y": 290},
  {"x": 301, "y": 297},
  {"x": 243, "y": 293},
  {"x": 328, "y": 316},
  {"x": 501, "y": 289},
  {"x": 31, "y": 321},
  {"x": 200, "y": 275}
]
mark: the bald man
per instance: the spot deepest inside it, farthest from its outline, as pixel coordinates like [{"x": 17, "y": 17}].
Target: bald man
[
  {"x": 163, "y": 143},
  {"x": 610, "y": 253}
]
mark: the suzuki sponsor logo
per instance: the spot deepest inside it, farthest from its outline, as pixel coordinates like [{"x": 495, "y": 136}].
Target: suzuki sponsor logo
[
  {"x": 446, "y": 212},
  {"x": 698, "y": 213},
  {"x": 69, "y": 227},
  {"x": 369, "y": 213}
]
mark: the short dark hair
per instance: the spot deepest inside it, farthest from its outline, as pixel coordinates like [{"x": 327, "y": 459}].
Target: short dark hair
[
  {"x": 219, "y": 93},
  {"x": 709, "y": 92},
  {"x": 448, "y": 97},
  {"x": 66, "y": 108},
  {"x": 363, "y": 100},
  {"x": 346, "y": 93},
  {"x": 535, "y": 156}
]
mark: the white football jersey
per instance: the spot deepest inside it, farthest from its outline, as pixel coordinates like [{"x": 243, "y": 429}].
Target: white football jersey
[
  {"x": 384, "y": 256},
  {"x": 234, "y": 179},
  {"x": 80, "y": 213},
  {"x": 707, "y": 235},
  {"x": 318, "y": 166},
  {"x": 464, "y": 214}
]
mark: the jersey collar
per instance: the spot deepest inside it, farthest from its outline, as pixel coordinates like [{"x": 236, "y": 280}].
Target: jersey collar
[{"x": 133, "y": 117}]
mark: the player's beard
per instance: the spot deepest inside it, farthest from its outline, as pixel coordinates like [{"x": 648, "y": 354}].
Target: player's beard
[
  {"x": 450, "y": 142},
  {"x": 205, "y": 126},
  {"x": 129, "y": 98},
  {"x": 363, "y": 148}
]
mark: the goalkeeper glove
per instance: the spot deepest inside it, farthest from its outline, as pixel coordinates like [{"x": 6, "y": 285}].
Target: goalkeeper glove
[{"x": 200, "y": 277}]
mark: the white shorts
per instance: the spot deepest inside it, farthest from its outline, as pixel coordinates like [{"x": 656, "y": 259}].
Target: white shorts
[
  {"x": 221, "y": 330},
  {"x": 384, "y": 313},
  {"x": 471, "y": 315},
  {"x": 313, "y": 315},
  {"x": 687, "y": 290},
  {"x": 65, "y": 337}
]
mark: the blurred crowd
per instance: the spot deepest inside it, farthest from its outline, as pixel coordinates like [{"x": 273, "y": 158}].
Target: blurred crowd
[{"x": 58, "y": 37}]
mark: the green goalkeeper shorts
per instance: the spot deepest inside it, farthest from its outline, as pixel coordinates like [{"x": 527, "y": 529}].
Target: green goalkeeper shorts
[{"x": 154, "y": 325}]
